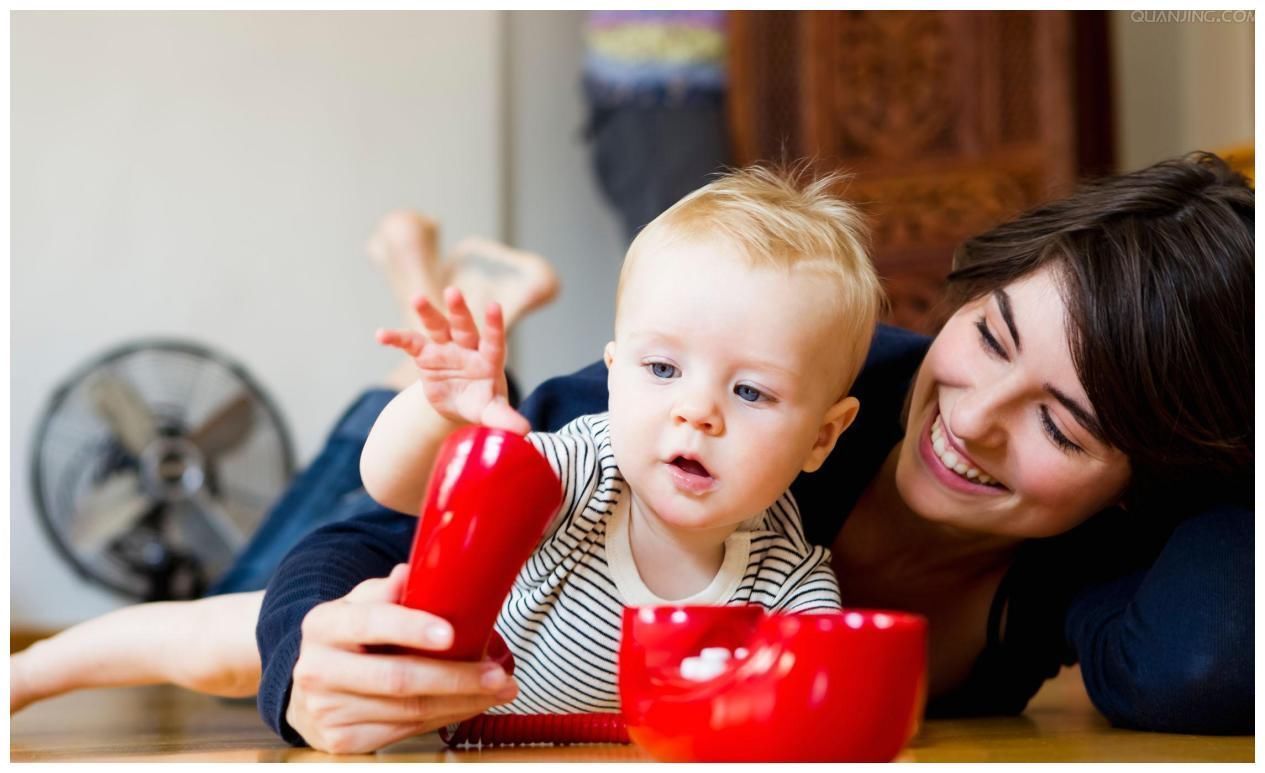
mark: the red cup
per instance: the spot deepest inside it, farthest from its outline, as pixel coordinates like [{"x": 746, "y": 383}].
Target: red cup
[
  {"x": 491, "y": 496},
  {"x": 836, "y": 687}
]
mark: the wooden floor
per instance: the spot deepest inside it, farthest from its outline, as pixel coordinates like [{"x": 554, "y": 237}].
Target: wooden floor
[{"x": 159, "y": 724}]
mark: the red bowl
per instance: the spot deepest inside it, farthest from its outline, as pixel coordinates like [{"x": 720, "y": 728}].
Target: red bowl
[{"x": 847, "y": 686}]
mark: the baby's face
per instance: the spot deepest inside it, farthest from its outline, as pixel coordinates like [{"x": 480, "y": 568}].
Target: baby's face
[{"x": 721, "y": 376}]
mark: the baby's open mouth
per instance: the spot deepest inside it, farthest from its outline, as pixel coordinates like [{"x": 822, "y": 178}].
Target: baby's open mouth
[{"x": 690, "y": 466}]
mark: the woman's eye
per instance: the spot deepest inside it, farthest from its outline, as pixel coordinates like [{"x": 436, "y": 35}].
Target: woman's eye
[
  {"x": 989, "y": 342},
  {"x": 1051, "y": 429},
  {"x": 662, "y": 369},
  {"x": 748, "y": 393}
]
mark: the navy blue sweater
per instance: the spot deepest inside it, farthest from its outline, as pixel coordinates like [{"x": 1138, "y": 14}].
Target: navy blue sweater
[{"x": 1158, "y": 609}]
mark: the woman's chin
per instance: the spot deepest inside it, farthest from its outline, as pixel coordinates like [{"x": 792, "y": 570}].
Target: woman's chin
[{"x": 931, "y": 501}]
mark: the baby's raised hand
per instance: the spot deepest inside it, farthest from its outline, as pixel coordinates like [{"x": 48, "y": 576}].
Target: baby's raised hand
[{"x": 462, "y": 372}]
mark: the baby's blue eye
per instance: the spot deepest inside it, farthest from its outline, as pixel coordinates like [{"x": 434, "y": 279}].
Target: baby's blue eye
[
  {"x": 748, "y": 393},
  {"x": 662, "y": 370}
]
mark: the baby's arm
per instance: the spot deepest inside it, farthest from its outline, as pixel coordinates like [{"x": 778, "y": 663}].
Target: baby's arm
[{"x": 461, "y": 381}]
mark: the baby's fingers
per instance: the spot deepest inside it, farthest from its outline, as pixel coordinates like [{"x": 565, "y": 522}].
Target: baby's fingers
[
  {"x": 493, "y": 344},
  {"x": 464, "y": 331},
  {"x": 409, "y": 341},
  {"x": 433, "y": 320}
]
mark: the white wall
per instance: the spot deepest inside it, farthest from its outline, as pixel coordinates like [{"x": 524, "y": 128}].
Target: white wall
[
  {"x": 556, "y": 207},
  {"x": 213, "y": 176},
  {"x": 1180, "y": 86}
]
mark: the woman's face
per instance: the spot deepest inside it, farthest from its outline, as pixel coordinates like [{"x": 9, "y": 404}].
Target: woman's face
[{"x": 1000, "y": 437}]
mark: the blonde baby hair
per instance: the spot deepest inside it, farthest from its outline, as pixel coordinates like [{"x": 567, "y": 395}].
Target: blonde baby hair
[{"x": 788, "y": 218}]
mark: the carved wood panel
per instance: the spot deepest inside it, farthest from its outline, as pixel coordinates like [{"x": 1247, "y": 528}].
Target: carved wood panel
[{"x": 950, "y": 121}]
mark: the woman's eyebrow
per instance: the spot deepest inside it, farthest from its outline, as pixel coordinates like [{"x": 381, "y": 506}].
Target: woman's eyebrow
[
  {"x": 1003, "y": 303},
  {"x": 1082, "y": 416}
]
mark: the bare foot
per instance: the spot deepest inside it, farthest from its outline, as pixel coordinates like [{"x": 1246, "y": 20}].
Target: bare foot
[
  {"x": 405, "y": 247},
  {"x": 486, "y": 270}
]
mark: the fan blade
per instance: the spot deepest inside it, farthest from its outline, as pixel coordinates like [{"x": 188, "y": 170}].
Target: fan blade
[
  {"x": 227, "y": 427},
  {"x": 213, "y": 516},
  {"x": 197, "y": 534},
  {"x": 111, "y": 509},
  {"x": 118, "y": 403}
]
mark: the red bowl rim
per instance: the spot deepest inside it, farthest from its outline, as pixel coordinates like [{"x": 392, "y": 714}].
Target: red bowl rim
[{"x": 857, "y": 618}]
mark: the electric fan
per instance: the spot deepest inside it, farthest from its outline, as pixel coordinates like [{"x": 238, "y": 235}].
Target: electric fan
[{"x": 154, "y": 463}]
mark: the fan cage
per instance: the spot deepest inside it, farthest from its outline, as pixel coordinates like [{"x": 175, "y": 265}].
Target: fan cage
[{"x": 68, "y": 427}]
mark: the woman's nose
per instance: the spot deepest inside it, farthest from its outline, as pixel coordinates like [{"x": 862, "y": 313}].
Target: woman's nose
[
  {"x": 700, "y": 412},
  {"x": 979, "y": 414}
]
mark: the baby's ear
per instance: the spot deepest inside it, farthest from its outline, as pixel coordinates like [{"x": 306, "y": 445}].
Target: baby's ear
[
  {"x": 608, "y": 354},
  {"x": 837, "y": 419}
]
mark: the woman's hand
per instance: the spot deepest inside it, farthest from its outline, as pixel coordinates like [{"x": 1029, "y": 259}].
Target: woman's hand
[
  {"x": 462, "y": 373},
  {"x": 345, "y": 700}
]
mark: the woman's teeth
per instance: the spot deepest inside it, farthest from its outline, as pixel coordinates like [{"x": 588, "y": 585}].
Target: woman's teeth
[{"x": 950, "y": 458}]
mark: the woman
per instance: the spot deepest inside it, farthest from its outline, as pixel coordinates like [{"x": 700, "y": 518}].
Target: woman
[
  {"x": 1062, "y": 475},
  {"x": 1070, "y": 481}
]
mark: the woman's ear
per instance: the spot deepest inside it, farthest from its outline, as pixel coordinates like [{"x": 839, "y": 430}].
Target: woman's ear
[{"x": 837, "y": 419}]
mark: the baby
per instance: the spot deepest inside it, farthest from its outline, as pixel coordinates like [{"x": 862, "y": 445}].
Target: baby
[{"x": 743, "y": 315}]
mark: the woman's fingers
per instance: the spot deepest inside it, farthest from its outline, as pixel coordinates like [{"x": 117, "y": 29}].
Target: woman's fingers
[
  {"x": 355, "y": 738},
  {"x": 388, "y": 588},
  {"x": 461, "y": 321},
  {"x": 348, "y": 700},
  {"x": 397, "y": 675},
  {"x": 432, "y": 710},
  {"x": 349, "y": 625}
]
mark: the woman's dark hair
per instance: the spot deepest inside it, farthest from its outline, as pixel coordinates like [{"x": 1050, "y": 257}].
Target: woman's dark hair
[{"x": 1157, "y": 269}]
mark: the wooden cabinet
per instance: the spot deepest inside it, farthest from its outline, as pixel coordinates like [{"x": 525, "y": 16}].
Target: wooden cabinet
[{"x": 950, "y": 121}]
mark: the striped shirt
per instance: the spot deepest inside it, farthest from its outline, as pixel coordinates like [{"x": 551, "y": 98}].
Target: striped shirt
[{"x": 562, "y": 617}]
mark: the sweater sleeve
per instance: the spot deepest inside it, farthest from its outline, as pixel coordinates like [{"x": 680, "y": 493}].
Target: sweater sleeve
[
  {"x": 324, "y": 566},
  {"x": 1170, "y": 648},
  {"x": 559, "y": 400}
]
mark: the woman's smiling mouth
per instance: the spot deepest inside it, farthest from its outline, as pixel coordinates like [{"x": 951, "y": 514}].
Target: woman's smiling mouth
[
  {"x": 951, "y": 467},
  {"x": 952, "y": 460}
]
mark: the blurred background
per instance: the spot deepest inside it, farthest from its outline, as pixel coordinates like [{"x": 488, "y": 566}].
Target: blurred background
[{"x": 211, "y": 179}]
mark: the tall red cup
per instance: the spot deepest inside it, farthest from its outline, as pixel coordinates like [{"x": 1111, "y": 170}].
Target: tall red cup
[{"x": 491, "y": 496}]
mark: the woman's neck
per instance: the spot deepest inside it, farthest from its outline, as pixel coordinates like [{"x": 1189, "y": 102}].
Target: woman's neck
[
  {"x": 674, "y": 563},
  {"x": 891, "y": 531}
]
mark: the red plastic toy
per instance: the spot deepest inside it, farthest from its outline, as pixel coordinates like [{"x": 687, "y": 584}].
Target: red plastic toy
[
  {"x": 848, "y": 686},
  {"x": 839, "y": 687},
  {"x": 490, "y": 497}
]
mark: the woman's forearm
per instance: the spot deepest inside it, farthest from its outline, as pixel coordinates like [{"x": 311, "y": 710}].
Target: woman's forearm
[
  {"x": 206, "y": 645},
  {"x": 398, "y": 455},
  {"x": 1170, "y": 648}
]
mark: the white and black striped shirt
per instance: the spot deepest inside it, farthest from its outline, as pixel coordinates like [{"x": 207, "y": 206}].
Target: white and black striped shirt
[{"x": 562, "y": 617}]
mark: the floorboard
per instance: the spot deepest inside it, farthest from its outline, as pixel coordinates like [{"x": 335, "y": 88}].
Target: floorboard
[{"x": 166, "y": 724}]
